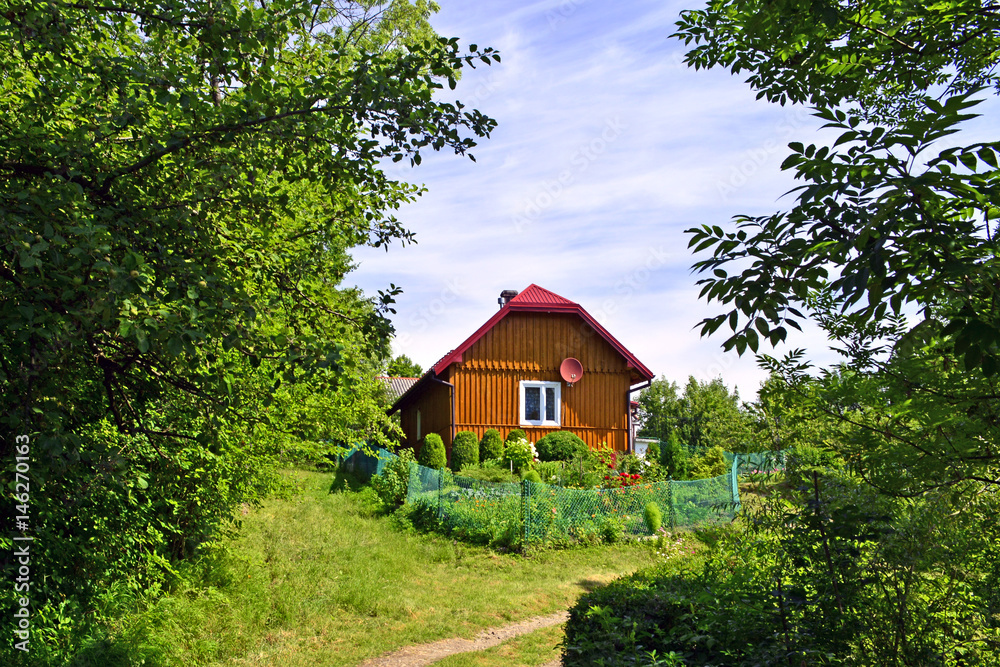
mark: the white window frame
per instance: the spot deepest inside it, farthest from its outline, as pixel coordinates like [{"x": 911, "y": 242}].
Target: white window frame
[{"x": 557, "y": 386}]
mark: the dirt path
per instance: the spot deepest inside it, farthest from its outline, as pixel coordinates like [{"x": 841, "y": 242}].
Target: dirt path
[{"x": 427, "y": 654}]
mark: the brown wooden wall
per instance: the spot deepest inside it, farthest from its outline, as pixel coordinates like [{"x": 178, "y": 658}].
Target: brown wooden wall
[
  {"x": 434, "y": 403},
  {"x": 530, "y": 346}
]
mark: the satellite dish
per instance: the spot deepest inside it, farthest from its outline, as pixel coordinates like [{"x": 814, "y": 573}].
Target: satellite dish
[{"x": 571, "y": 370}]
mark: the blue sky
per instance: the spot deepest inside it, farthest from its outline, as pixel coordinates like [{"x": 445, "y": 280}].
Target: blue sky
[{"x": 607, "y": 148}]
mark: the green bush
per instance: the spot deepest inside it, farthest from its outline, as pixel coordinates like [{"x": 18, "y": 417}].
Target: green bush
[
  {"x": 491, "y": 446},
  {"x": 560, "y": 446},
  {"x": 391, "y": 485},
  {"x": 516, "y": 434},
  {"x": 630, "y": 464},
  {"x": 518, "y": 454},
  {"x": 532, "y": 476},
  {"x": 653, "y": 452},
  {"x": 803, "y": 460},
  {"x": 710, "y": 464},
  {"x": 652, "y": 516},
  {"x": 612, "y": 529},
  {"x": 464, "y": 450},
  {"x": 432, "y": 453},
  {"x": 674, "y": 457},
  {"x": 489, "y": 471},
  {"x": 549, "y": 471}
]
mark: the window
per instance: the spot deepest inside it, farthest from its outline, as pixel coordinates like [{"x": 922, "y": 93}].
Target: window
[
  {"x": 418, "y": 424},
  {"x": 540, "y": 403}
]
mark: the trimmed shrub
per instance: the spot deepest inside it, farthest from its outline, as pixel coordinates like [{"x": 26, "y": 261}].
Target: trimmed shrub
[
  {"x": 560, "y": 446},
  {"x": 516, "y": 434},
  {"x": 491, "y": 446},
  {"x": 532, "y": 476},
  {"x": 464, "y": 450},
  {"x": 518, "y": 454},
  {"x": 652, "y": 516},
  {"x": 432, "y": 454}
]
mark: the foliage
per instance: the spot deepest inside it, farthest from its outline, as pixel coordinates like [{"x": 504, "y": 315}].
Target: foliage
[
  {"x": 820, "y": 592},
  {"x": 403, "y": 366},
  {"x": 653, "y": 452},
  {"x": 630, "y": 463},
  {"x": 391, "y": 485},
  {"x": 515, "y": 434},
  {"x": 674, "y": 457},
  {"x": 464, "y": 450},
  {"x": 705, "y": 414},
  {"x": 491, "y": 446},
  {"x": 621, "y": 480},
  {"x": 490, "y": 471},
  {"x": 560, "y": 446},
  {"x": 518, "y": 453},
  {"x": 710, "y": 463},
  {"x": 550, "y": 472},
  {"x": 532, "y": 476},
  {"x": 612, "y": 529},
  {"x": 432, "y": 452},
  {"x": 652, "y": 516},
  {"x": 180, "y": 185},
  {"x": 893, "y": 219}
]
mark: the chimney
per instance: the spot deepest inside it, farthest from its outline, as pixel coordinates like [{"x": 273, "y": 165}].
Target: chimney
[{"x": 506, "y": 296}]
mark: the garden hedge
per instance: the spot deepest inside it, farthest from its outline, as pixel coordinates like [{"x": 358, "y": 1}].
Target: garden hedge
[{"x": 464, "y": 450}]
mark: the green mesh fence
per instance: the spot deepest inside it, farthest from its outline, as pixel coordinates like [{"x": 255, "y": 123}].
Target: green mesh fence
[
  {"x": 510, "y": 513},
  {"x": 364, "y": 464},
  {"x": 762, "y": 462}
]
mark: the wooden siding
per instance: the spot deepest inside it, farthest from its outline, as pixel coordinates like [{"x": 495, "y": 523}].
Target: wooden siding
[
  {"x": 434, "y": 403},
  {"x": 530, "y": 346}
]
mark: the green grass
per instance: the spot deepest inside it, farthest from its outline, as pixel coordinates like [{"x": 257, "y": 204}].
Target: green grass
[
  {"x": 530, "y": 650},
  {"x": 321, "y": 578}
]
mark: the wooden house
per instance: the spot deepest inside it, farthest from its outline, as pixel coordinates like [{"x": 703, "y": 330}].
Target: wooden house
[{"x": 507, "y": 376}]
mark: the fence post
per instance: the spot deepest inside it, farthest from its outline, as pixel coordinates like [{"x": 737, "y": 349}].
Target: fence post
[
  {"x": 670, "y": 499},
  {"x": 734, "y": 488},
  {"x": 525, "y": 512},
  {"x": 440, "y": 490}
]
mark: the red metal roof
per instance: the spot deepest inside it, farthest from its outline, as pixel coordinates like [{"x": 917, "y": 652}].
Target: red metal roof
[
  {"x": 538, "y": 299},
  {"x": 539, "y": 296}
]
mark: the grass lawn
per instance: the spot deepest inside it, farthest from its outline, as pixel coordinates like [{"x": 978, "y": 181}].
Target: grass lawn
[
  {"x": 530, "y": 650},
  {"x": 320, "y": 578}
]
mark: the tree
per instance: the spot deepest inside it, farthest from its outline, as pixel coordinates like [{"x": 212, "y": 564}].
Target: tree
[
  {"x": 180, "y": 185},
  {"x": 890, "y": 247},
  {"x": 403, "y": 366},
  {"x": 890, "y": 220},
  {"x": 897, "y": 224},
  {"x": 704, "y": 415}
]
